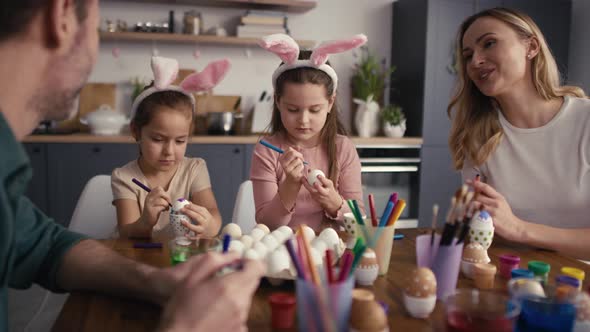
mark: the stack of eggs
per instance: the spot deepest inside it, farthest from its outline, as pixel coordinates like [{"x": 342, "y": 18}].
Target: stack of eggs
[
  {"x": 262, "y": 244},
  {"x": 420, "y": 292},
  {"x": 473, "y": 253}
]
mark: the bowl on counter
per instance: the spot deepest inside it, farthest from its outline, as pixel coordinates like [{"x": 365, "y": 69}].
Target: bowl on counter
[
  {"x": 222, "y": 123},
  {"x": 105, "y": 121}
]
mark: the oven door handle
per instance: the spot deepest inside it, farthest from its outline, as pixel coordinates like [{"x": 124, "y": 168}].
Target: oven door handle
[{"x": 389, "y": 169}]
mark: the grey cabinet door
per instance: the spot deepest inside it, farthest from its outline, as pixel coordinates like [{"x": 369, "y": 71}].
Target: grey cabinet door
[
  {"x": 37, "y": 190},
  {"x": 438, "y": 183},
  {"x": 225, "y": 163},
  {"x": 72, "y": 165},
  {"x": 444, "y": 18}
]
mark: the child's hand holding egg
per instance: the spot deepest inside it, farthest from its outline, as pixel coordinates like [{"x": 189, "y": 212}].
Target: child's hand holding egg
[{"x": 312, "y": 177}]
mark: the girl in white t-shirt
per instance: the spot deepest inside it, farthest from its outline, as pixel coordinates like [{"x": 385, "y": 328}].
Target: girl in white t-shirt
[
  {"x": 525, "y": 134},
  {"x": 161, "y": 122}
]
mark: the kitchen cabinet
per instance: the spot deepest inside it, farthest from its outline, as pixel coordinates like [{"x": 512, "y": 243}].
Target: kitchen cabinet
[
  {"x": 70, "y": 166},
  {"x": 37, "y": 190},
  {"x": 423, "y": 43}
]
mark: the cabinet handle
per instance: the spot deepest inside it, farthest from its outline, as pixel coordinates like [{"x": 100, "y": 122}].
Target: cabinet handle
[
  {"x": 96, "y": 149},
  {"x": 236, "y": 150}
]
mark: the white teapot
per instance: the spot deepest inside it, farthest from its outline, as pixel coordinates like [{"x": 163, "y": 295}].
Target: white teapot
[{"x": 105, "y": 121}]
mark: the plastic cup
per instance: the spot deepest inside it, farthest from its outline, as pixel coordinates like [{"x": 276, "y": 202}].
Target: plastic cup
[
  {"x": 181, "y": 249},
  {"x": 470, "y": 310},
  {"x": 282, "y": 306},
  {"x": 546, "y": 314},
  {"x": 445, "y": 267},
  {"x": 507, "y": 264},
  {"x": 317, "y": 306},
  {"x": 425, "y": 251},
  {"x": 383, "y": 246}
]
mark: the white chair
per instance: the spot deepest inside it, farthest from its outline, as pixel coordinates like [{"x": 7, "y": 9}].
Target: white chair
[
  {"x": 94, "y": 216},
  {"x": 244, "y": 210}
]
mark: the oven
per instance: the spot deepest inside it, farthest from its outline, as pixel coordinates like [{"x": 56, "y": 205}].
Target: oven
[{"x": 392, "y": 168}]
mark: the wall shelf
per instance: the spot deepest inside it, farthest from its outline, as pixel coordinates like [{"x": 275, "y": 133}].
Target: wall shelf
[
  {"x": 187, "y": 39},
  {"x": 290, "y": 6}
]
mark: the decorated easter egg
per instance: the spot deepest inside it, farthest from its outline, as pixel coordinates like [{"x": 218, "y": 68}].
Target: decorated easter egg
[
  {"x": 421, "y": 282},
  {"x": 179, "y": 204},
  {"x": 233, "y": 230},
  {"x": 482, "y": 229},
  {"x": 312, "y": 177},
  {"x": 367, "y": 270},
  {"x": 475, "y": 253}
]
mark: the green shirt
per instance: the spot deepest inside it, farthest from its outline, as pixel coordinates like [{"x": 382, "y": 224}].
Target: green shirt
[{"x": 32, "y": 245}]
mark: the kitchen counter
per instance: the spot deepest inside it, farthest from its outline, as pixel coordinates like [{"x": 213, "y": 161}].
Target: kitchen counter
[{"x": 251, "y": 139}]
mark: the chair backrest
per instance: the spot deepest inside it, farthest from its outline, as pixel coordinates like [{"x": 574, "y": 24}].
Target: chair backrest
[
  {"x": 244, "y": 210},
  {"x": 95, "y": 214}
]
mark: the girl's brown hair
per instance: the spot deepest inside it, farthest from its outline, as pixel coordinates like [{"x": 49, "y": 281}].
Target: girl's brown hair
[
  {"x": 175, "y": 100},
  {"x": 331, "y": 128},
  {"x": 476, "y": 130}
]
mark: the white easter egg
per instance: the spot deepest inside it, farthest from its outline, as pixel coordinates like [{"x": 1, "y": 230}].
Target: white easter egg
[
  {"x": 237, "y": 246},
  {"x": 280, "y": 236},
  {"x": 263, "y": 227},
  {"x": 247, "y": 240},
  {"x": 270, "y": 242},
  {"x": 316, "y": 257},
  {"x": 286, "y": 230},
  {"x": 233, "y": 230},
  {"x": 257, "y": 234},
  {"x": 252, "y": 254},
  {"x": 261, "y": 249},
  {"x": 319, "y": 244},
  {"x": 312, "y": 177},
  {"x": 330, "y": 236},
  {"x": 309, "y": 233},
  {"x": 277, "y": 262}
]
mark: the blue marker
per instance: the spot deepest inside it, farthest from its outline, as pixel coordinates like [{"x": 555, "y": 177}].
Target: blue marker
[
  {"x": 226, "y": 240},
  {"x": 398, "y": 236}
]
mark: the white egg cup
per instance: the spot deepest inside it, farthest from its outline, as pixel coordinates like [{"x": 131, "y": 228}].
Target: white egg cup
[
  {"x": 366, "y": 275},
  {"x": 419, "y": 307}
]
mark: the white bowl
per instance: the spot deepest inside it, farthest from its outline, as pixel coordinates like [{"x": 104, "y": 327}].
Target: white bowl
[
  {"x": 105, "y": 121},
  {"x": 419, "y": 307}
]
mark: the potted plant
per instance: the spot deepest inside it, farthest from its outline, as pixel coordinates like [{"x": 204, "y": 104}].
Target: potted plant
[
  {"x": 368, "y": 81},
  {"x": 394, "y": 121}
]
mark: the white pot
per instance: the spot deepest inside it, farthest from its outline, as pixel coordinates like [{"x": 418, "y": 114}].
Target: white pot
[
  {"x": 419, "y": 307},
  {"x": 367, "y": 118},
  {"x": 394, "y": 131},
  {"x": 105, "y": 121}
]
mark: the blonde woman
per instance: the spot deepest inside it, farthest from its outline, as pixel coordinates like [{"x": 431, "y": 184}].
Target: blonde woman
[{"x": 526, "y": 135}]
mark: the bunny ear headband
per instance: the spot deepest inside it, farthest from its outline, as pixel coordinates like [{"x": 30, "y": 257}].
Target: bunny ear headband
[
  {"x": 165, "y": 72},
  {"x": 287, "y": 49}
]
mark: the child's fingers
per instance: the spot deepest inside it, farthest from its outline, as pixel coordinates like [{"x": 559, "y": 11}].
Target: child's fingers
[
  {"x": 308, "y": 186},
  {"x": 320, "y": 188},
  {"x": 486, "y": 189},
  {"x": 326, "y": 183}
]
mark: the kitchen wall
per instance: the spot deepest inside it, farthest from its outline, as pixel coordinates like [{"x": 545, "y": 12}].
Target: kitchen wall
[
  {"x": 579, "y": 55},
  {"x": 251, "y": 66}
]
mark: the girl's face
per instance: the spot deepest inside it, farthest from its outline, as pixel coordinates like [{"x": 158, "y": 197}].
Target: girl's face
[
  {"x": 496, "y": 57},
  {"x": 163, "y": 141},
  {"x": 303, "y": 109}
]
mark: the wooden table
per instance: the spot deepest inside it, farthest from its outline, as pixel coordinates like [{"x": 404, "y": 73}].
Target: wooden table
[{"x": 96, "y": 312}]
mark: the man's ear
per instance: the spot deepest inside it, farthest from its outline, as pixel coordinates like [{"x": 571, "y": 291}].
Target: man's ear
[{"x": 62, "y": 25}]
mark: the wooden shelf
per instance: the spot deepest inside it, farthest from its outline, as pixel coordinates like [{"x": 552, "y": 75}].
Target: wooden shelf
[
  {"x": 187, "y": 39},
  {"x": 289, "y": 6}
]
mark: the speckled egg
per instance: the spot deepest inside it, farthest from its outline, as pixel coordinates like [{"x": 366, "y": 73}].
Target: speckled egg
[
  {"x": 233, "y": 230},
  {"x": 482, "y": 229},
  {"x": 421, "y": 282}
]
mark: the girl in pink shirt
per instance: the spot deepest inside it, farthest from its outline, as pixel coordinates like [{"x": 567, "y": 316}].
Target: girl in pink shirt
[{"x": 306, "y": 127}]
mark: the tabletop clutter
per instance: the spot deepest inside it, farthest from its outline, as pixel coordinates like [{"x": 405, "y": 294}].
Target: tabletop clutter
[{"x": 326, "y": 267}]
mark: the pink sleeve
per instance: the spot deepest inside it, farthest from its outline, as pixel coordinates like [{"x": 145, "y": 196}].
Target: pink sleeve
[
  {"x": 270, "y": 210},
  {"x": 349, "y": 180}
]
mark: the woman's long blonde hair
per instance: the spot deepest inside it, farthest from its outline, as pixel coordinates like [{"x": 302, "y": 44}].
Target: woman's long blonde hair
[{"x": 476, "y": 130}]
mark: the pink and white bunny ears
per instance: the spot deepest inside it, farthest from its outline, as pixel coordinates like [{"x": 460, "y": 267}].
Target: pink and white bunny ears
[
  {"x": 287, "y": 49},
  {"x": 165, "y": 72}
]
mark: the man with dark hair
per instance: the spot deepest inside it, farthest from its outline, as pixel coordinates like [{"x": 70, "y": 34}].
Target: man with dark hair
[{"x": 45, "y": 60}]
